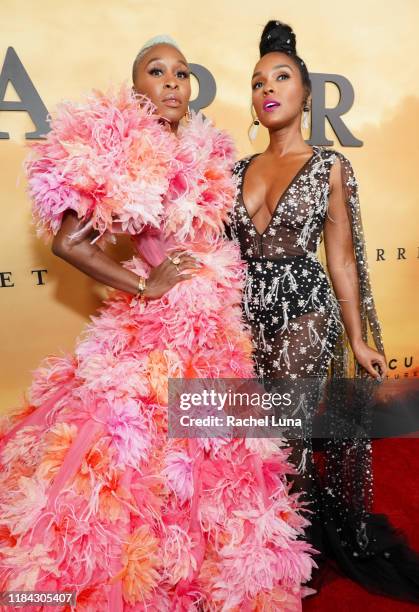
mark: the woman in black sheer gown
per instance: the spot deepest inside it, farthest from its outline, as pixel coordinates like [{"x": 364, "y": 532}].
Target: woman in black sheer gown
[{"x": 289, "y": 198}]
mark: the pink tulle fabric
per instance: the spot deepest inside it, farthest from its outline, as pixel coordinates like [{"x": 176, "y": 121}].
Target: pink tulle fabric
[{"x": 94, "y": 496}]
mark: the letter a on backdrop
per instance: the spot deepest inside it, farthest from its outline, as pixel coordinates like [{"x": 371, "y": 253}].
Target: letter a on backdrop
[{"x": 30, "y": 101}]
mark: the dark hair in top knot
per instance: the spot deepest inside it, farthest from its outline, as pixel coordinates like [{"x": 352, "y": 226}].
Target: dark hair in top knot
[{"x": 279, "y": 37}]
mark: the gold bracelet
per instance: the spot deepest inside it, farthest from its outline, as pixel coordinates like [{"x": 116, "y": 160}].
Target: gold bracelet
[{"x": 141, "y": 289}]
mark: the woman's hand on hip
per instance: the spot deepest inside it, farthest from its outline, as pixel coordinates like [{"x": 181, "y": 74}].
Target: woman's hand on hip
[{"x": 177, "y": 267}]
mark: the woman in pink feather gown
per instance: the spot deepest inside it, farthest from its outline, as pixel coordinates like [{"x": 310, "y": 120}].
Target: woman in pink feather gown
[{"x": 95, "y": 497}]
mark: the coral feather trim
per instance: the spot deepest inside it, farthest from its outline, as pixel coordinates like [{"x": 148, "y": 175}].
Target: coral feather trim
[
  {"x": 105, "y": 158},
  {"x": 108, "y": 158}
]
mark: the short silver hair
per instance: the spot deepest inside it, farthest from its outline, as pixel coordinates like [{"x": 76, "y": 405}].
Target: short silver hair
[{"x": 161, "y": 39}]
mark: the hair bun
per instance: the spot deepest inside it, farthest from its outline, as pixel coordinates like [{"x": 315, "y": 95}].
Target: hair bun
[{"x": 277, "y": 36}]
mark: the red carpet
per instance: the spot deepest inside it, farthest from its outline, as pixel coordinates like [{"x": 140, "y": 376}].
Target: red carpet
[{"x": 396, "y": 493}]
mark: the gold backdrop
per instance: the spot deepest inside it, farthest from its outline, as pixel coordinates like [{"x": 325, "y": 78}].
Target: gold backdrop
[{"x": 69, "y": 47}]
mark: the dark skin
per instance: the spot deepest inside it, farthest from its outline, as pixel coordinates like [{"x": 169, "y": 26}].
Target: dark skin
[
  {"x": 277, "y": 77},
  {"x": 163, "y": 76}
]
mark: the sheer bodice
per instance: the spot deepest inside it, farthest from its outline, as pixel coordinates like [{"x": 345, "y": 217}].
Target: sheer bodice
[{"x": 297, "y": 221}]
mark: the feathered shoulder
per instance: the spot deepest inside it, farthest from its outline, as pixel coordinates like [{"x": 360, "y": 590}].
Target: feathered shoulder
[
  {"x": 109, "y": 158},
  {"x": 105, "y": 158}
]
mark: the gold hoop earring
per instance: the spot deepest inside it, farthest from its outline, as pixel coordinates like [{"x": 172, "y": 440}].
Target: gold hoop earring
[{"x": 254, "y": 128}]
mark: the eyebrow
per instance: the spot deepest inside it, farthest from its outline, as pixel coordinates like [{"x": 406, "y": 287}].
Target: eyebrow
[
  {"x": 156, "y": 59},
  {"x": 274, "y": 68}
]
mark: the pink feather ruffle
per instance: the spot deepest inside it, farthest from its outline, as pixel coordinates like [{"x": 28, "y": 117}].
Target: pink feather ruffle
[{"x": 109, "y": 159}]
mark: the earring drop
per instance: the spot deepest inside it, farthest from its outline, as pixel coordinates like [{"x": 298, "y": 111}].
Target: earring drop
[
  {"x": 188, "y": 115},
  {"x": 306, "y": 116},
  {"x": 253, "y": 131}
]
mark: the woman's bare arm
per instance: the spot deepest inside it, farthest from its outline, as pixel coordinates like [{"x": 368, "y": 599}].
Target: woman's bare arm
[
  {"x": 342, "y": 268},
  {"x": 91, "y": 260}
]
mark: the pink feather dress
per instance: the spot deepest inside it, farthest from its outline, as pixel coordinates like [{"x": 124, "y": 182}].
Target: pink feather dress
[{"x": 95, "y": 498}]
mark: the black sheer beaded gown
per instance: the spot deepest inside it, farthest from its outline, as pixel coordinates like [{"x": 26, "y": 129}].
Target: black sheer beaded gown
[{"x": 298, "y": 335}]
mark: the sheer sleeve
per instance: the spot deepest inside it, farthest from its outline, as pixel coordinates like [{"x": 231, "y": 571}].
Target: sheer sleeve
[{"x": 343, "y": 364}]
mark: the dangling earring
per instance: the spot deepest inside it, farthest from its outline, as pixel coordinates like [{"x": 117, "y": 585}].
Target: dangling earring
[
  {"x": 306, "y": 111},
  {"x": 253, "y": 130},
  {"x": 188, "y": 115}
]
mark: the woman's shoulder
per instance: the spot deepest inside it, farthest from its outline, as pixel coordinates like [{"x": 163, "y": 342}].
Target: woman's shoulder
[
  {"x": 241, "y": 164},
  {"x": 332, "y": 155},
  {"x": 338, "y": 168}
]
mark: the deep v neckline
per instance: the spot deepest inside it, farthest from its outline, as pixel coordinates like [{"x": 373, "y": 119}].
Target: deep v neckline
[{"x": 282, "y": 196}]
